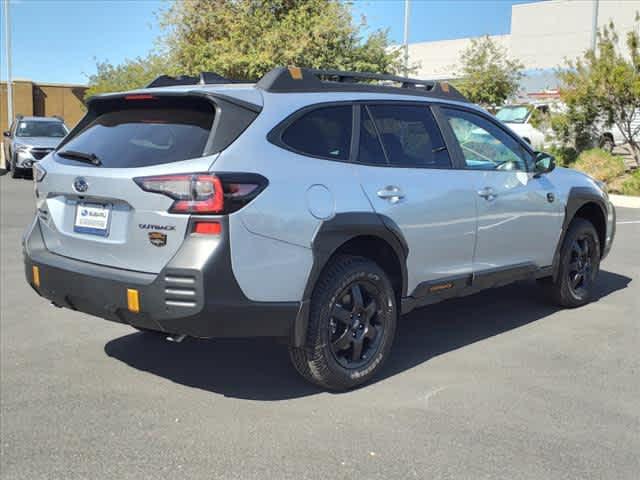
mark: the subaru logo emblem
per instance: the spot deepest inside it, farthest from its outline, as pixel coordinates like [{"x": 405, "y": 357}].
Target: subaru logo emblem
[{"x": 80, "y": 185}]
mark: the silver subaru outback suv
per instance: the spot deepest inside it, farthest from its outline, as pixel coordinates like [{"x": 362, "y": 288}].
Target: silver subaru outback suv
[
  {"x": 315, "y": 206},
  {"x": 30, "y": 139}
]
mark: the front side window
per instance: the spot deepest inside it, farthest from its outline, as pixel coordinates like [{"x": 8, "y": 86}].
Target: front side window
[
  {"x": 484, "y": 145},
  {"x": 409, "y": 135},
  {"x": 369, "y": 150},
  {"x": 41, "y": 129},
  {"x": 323, "y": 132}
]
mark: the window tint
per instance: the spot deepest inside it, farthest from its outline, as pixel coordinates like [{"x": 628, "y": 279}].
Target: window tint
[
  {"x": 370, "y": 150},
  {"x": 323, "y": 132},
  {"x": 410, "y": 136},
  {"x": 139, "y": 137},
  {"x": 484, "y": 145}
]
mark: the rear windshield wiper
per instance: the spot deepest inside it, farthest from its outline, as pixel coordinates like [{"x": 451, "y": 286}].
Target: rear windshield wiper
[{"x": 91, "y": 158}]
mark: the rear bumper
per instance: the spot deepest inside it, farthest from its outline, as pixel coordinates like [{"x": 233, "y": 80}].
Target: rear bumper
[{"x": 195, "y": 294}]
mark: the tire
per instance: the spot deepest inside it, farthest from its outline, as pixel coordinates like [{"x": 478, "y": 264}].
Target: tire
[
  {"x": 606, "y": 143},
  {"x": 14, "y": 171},
  {"x": 578, "y": 268},
  {"x": 352, "y": 323}
]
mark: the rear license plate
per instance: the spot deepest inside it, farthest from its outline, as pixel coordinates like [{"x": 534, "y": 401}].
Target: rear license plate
[{"x": 92, "y": 219}]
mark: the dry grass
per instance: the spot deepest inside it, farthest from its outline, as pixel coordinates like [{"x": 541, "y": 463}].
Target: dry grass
[{"x": 600, "y": 165}]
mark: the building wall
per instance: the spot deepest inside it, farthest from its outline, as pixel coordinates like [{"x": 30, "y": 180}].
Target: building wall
[
  {"x": 543, "y": 35},
  {"x": 43, "y": 99},
  {"x": 437, "y": 60}
]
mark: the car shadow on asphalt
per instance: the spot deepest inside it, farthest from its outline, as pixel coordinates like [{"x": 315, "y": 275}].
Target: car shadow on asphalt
[{"x": 259, "y": 368}]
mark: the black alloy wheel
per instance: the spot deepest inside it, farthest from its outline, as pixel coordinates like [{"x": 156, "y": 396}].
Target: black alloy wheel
[
  {"x": 356, "y": 328},
  {"x": 580, "y": 269}
]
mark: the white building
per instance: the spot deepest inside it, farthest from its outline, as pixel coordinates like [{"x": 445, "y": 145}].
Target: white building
[{"x": 543, "y": 35}]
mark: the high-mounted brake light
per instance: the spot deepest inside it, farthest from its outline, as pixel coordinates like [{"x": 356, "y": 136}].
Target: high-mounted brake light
[
  {"x": 139, "y": 96},
  {"x": 205, "y": 193}
]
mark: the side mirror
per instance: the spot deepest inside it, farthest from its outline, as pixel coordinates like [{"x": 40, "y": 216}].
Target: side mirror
[
  {"x": 7, "y": 133},
  {"x": 544, "y": 163}
]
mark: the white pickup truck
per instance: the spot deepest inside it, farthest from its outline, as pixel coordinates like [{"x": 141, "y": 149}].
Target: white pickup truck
[{"x": 519, "y": 117}]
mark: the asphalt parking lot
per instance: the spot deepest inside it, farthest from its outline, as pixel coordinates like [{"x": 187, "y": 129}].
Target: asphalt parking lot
[{"x": 499, "y": 385}]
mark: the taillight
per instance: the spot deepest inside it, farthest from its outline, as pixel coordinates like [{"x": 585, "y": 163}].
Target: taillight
[{"x": 205, "y": 193}]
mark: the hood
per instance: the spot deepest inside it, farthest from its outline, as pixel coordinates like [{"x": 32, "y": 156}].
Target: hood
[
  {"x": 39, "y": 142},
  {"x": 517, "y": 127}
]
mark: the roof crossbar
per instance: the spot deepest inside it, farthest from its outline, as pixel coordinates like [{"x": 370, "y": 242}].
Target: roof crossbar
[{"x": 295, "y": 79}]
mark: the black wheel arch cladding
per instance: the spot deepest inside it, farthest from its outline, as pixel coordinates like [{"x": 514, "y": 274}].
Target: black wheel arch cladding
[
  {"x": 335, "y": 233},
  {"x": 579, "y": 197}
]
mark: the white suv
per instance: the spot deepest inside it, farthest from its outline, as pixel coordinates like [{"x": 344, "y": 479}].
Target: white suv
[{"x": 315, "y": 206}]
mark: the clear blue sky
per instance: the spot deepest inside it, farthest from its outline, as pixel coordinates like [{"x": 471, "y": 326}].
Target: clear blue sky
[{"x": 59, "y": 40}]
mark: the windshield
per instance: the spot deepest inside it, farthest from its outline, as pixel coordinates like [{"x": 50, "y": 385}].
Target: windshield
[
  {"x": 41, "y": 129},
  {"x": 139, "y": 137},
  {"x": 513, "y": 114}
]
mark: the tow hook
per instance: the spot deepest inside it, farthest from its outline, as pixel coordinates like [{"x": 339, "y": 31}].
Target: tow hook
[{"x": 176, "y": 338}]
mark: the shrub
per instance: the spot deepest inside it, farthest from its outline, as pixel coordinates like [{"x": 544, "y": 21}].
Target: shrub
[
  {"x": 600, "y": 164},
  {"x": 565, "y": 156},
  {"x": 631, "y": 186}
]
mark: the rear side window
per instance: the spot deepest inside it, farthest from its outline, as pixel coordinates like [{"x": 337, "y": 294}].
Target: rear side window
[
  {"x": 370, "y": 150},
  {"x": 410, "y": 136},
  {"x": 144, "y": 133},
  {"x": 323, "y": 132}
]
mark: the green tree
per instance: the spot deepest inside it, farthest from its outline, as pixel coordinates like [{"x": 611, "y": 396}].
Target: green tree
[
  {"x": 488, "y": 75},
  {"x": 602, "y": 89},
  {"x": 129, "y": 75},
  {"x": 244, "y": 39}
]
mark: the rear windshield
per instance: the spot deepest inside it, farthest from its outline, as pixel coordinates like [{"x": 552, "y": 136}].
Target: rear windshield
[{"x": 144, "y": 133}]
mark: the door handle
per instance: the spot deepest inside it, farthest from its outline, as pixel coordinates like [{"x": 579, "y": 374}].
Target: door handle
[
  {"x": 391, "y": 193},
  {"x": 487, "y": 193}
]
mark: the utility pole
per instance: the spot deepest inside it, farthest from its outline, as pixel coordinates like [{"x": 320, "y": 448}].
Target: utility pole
[
  {"x": 406, "y": 37},
  {"x": 7, "y": 43},
  {"x": 594, "y": 25}
]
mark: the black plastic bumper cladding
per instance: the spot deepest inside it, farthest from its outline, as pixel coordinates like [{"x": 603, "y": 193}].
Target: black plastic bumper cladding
[{"x": 195, "y": 294}]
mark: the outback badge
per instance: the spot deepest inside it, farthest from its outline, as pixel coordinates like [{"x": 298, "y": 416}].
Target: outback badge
[{"x": 158, "y": 239}]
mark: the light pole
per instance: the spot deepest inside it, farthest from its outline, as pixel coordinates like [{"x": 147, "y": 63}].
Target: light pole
[
  {"x": 406, "y": 37},
  {"x": 594, "y": 25},
  {"x": 7, "y": 43}
]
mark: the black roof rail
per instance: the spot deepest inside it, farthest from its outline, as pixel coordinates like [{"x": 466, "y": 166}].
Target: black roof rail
[
  {"x": 296, "y": 79},
  {"x": 205, "y": 78}
]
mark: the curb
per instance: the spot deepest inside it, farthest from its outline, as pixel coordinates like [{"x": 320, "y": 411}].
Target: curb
[{"x": 625, "y": 201}]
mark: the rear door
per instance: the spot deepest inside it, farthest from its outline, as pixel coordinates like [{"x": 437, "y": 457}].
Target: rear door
[
  {"x": 99, "y": 214},
  {"x": 406, "y": 172}
]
